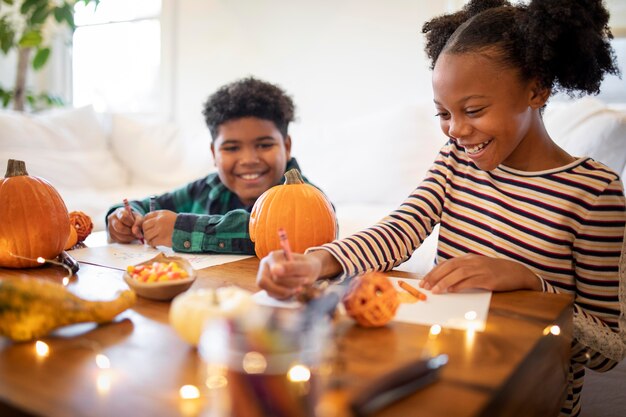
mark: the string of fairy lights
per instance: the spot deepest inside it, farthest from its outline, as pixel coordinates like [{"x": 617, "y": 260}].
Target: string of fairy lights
[{"x": 298, "y": 373}]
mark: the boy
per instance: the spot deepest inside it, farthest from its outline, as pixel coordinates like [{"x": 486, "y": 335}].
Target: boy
[{"x": 248, "y": 120}]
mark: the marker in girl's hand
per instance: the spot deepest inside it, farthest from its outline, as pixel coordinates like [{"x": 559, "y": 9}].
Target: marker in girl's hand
[
  {"x": 130, "y": 211},
  {"x": 284, "y": 243}
]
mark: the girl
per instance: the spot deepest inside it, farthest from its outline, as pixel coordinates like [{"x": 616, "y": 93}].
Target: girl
[{"x": 516, "y": 211}]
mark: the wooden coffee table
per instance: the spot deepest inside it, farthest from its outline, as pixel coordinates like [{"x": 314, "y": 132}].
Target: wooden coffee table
[{"x": 510, "y": 369}]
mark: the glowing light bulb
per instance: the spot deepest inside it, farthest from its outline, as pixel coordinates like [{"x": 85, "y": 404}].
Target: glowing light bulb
[
  {"x": 299, "y": 373},
  {"x": 435, "y": 329},
  {"x": 254, "y": 363},
  {"x": 102, "y": 361},
  {"x": 471, "y": 315},
  {"x": 41, "y": 260},
  {"x": 42, "y": 349},
  {"x": 216, "y": 382},
  {"x": 552, "y": 329},
  {"x": 189, "y": 392}
]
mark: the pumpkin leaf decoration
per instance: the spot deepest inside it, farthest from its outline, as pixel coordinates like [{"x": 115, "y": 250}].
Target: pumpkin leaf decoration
[
  {"x": 301, "y": 209},
  {"x": 35, "y": 222}
]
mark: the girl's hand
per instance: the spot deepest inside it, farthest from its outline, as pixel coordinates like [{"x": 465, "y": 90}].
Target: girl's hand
[
  {"x": 158, "y": 227},
  {"x": 476, "y": 271},
  {"x": 124, "y": 227},
  {"x": 283, "y": 279}
]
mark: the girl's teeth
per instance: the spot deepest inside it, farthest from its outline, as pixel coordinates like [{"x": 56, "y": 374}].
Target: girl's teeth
[{"x": 477, "y": 148}]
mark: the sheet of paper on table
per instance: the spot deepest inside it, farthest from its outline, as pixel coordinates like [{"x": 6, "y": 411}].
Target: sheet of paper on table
[
  {"x": 119, "y": 256},
  {"x": 465, "y": 310}
]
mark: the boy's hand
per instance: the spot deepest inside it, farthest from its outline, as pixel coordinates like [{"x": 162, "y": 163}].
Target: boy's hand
[
  {"x": 283, "y": 279},
  {"x": 124, "y": 227},
  {"x": 158, "y": 227},
  {"x": 476, "y": 271}
]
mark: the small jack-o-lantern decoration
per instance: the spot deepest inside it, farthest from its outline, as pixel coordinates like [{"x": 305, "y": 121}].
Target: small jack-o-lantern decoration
[{"x": 371, "y": 300}]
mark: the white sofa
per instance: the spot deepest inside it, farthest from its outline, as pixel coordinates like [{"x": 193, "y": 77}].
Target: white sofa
[
  {"x": 96, "y": 160},
  {"x": 367, "y": 166}
]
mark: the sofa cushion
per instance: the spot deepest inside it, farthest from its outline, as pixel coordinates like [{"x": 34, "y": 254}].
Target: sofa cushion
[
  {"x": 588, "y": 127},
  {"x": 378, "y": 158},
  {"x": 67, "y": 147},
  {"x": 353, "y": 218},
  {"x": 158, "y": 152}
]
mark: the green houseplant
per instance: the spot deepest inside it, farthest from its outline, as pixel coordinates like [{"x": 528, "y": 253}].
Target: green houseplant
[{"x": 23, "y": 25}]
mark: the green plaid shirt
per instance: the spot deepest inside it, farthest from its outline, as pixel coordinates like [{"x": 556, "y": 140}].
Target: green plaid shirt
[{"x": 211, "y": 218}]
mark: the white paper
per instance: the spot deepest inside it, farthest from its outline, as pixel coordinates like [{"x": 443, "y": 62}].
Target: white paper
[
  {"x": 264, "y": 299},
  {"x": 448, "y": 310},
  {"x": 119, "y": 256}
]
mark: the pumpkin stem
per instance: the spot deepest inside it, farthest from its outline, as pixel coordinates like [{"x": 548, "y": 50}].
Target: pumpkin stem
[
  {"x": 15, "y": 168},
  {"x": 293, "y": 177}
]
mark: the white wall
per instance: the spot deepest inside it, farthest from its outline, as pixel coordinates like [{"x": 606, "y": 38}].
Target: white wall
[{"x": 338, "y": 59}]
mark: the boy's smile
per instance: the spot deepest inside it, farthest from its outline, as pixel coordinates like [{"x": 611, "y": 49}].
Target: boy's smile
[{"x": 250, "y": 155}]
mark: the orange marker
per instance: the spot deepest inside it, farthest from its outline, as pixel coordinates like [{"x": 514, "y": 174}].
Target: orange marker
[
  {"x": 130, "y": 211},
  {"x": 412, "y": 290},
  {"x": 284, "y": 243}
]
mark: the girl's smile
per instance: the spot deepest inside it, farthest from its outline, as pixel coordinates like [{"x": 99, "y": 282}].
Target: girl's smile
[{"x": 474, "y": 151}]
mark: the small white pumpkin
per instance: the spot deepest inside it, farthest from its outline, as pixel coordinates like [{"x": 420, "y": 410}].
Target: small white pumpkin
[{"x": 190, "y": 310}]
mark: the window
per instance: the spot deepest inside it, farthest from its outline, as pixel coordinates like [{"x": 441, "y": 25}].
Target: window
[{"x": 117, "y": 56}]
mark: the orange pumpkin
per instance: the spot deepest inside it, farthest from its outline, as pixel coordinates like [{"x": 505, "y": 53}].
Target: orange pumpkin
[
  {"x": 34, "y": 220},
  {"x": 301, "y": 209},
  {"x": 72, "y": 239}
]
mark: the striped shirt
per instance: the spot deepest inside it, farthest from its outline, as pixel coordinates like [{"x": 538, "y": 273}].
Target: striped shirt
[
  {"x": 211, "y": 218},
  {"x": 565, "y": 224}
]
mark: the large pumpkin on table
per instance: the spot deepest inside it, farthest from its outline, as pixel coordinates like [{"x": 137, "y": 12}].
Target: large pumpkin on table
[
  {"x": 33, "y": 218},
  {"x": 301, "y": 209}
]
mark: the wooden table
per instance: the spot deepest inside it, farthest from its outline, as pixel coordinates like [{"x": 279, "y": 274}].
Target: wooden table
[{"x": 510, "y": 369}]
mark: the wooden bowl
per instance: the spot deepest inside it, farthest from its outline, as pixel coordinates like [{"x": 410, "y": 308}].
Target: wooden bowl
[{"x": 162, "y": 290}]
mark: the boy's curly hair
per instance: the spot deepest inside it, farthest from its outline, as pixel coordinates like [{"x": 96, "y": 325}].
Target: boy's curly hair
[
  {"x": 248, "y": 97},
  {"x": 564, "y": 44}
]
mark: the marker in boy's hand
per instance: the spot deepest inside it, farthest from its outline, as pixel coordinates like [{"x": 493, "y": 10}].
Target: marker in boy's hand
[
  {"x": 132, "y": 216},
  {"x": 152, "y": 203}
]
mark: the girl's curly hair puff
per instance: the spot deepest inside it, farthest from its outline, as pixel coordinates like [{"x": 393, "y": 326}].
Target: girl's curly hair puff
[{"x": 564, "y": 44}]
